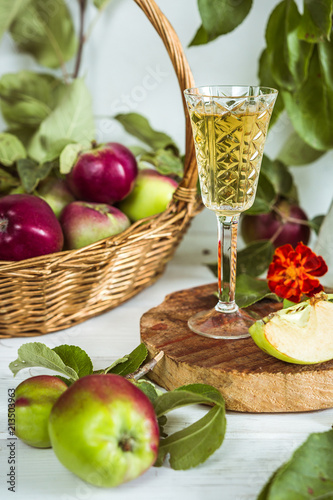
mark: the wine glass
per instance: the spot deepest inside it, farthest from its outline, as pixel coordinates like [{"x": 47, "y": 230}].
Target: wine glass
[{"x": 229, "y": 125}]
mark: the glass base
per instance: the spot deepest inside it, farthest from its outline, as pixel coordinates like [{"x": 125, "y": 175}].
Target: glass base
[{"x": 218, "y": 325}]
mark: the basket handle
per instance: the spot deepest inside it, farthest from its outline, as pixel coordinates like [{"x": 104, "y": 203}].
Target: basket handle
[{"x": 184, "y": 76}]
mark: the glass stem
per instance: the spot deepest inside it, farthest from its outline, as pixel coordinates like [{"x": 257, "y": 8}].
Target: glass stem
[{"x": 227, "y": 260}]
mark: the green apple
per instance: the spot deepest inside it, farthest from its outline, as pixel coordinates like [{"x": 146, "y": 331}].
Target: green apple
[
  {"x": 34, "y": 399},
  {"x": 301, "y": 334},
  {"x": 56, "y": 193},
  {"x": 151, "y": 195},
  {"x": 104, "y": 430}
]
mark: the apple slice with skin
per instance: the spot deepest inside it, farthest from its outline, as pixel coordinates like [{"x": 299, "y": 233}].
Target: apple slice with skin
[{"x": 301, "y": 334}]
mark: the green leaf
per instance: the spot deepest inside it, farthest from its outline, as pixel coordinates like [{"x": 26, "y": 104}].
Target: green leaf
[
  {"x": 316, "y": 22},
  {"x": 288, "y": 56},
  {"x": 265, "y": 197},
  {"x": 11, "y": 149},
  {"x": 278, "y": 174},
  {"x": 316, "y": 223},
  {"x": 76, "y": 358},
  {"x": 138, "y": 126},
  {"x": 35, "y": 354},
  {"x": 109, "y": 368},
  {"x": 101, "y": 4},
  {"x": 287, "y": 303},
  {"x": 148, "y": 389},
  {"x": 311, "y": 117},
  {"x": 133, "y": 362},
  {"x": 9, "y": 10},
  {"x": 307, "y": 475},
  {"x": 27, "y": 98},
  {"x": 7, "y": 181},
  {"x": 267, "y": 80},
  {"x": 255, "y": 258},
  {"x": 30, "y": 173},
  {"x": 220, "y": 17},
  {"x": 68, "y": 157},
  {"x": 72, "y": 120},
  {"x": 165, "y": 162},
  {"x": 250, "y": 290},
  {"x": 194, "y": 444},
  {"x": 45, "y": 30},
  {"x": 296, "y": 152}
]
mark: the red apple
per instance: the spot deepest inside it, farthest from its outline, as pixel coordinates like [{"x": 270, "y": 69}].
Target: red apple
[
  {"x": 151, "y": 195},
  {"x": 28, "y": 228},
  {"x": 56, "y": 193},
  {"x": 287, "y": 223},
  {"x": 34, "y": 399},
  {"x": 84, "y": 223},
  {"x": 105, "y": 174},
  {"x": 104, "y": 430}
]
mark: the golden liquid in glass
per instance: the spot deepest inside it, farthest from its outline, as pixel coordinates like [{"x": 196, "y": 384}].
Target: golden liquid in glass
[{"x": 229, "y": 148}]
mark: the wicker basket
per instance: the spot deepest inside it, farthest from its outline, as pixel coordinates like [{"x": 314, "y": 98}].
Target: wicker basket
[{"x": 56, "y": 291}]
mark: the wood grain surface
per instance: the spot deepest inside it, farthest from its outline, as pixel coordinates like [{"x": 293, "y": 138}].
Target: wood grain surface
[{"x": 249, "y": 379}]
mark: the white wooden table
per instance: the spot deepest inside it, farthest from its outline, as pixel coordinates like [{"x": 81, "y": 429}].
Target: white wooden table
[{"x": 254, "y": 446}]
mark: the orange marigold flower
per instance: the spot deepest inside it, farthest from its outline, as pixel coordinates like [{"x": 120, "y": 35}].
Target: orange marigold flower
[{"x": 292, "y": 273}]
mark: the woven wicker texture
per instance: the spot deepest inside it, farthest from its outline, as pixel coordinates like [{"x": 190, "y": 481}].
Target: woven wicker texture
[{"x": 56, "y": 291}]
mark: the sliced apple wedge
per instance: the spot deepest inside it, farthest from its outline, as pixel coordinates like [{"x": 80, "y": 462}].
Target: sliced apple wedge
[{"x": 301, "y": 334}]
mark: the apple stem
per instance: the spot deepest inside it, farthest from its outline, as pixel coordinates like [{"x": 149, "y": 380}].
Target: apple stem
[
  {"x": 140, "y": 372},
  {"x": 287, "y": 218}
]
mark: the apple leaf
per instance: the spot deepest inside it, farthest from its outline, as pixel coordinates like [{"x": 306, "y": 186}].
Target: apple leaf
[
  {"x": 255, "y": 258},
  {"x": 267, "y": 80},
  {"x": 11, "y": 149},
  {"x": 30, "y": 172},
  {"x": 219, "y": 17},
  {"x": 316, "y": 21},
  {"x": 148, "y": 388},
  {"x": 316, "y": 223},
  {"x": 194, "y": 444},
  {"x": 72, "y": 120},
  {"x": 138, "y": 126},
  {"x": 35, "y": 354},
  {"x": 165, "y": 162},
  {"x": 9, "y": 10},
  {"x": 278, "y": 174},
  {"x": 46, "y": 31},
  {"x": 76, "y": 358},
  {"x": 68, "y": 157},
  {"x": 107, "y": 370},
  {"x": 295, "y": 152},
  {"x": 307, "y": 475},
  {"x": 250, "y": 290},
  {"x": 265, "y": 196},
  {"x": 101, "y": 4},
  {"x": 7, "y": 180},
  {"x": 132, "y": 362}
]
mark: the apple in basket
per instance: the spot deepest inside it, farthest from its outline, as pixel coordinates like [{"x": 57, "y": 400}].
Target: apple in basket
[
  {"x": 151, "y": 195},
  {"x": 85, "y": 223},
  {"x": 28, "y": 228},
  {"x": 104, "y": 430},
  {"x": 56, "y": 193},
  {"x": 34, "y": 399},
  {"x": 105, "y": 174}
]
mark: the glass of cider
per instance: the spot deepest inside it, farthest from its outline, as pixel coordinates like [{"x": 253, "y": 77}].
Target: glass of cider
[{"x": 229, "y": 125}]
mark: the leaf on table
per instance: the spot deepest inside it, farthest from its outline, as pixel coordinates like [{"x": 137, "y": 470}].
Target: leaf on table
[
  {"x": 31, "y": 172},
  {"x": 35, "y": 354},
  {"x": 133, "y": 361},
  {"x": 278, "y": 174},
  {"x": 255, "y": 258},
  {"x": 11, "y": 149},
  {"x": 295, "y": 152},
  {"x": 138, "y": 126},
  {"x": 265, "y": 197},
  {"x": 312, "y": 118},
  {"x": 46, "y": 31},
  {"x": 76, "y": 358},
  {"x": 267, "y": 80},
  {"x": 165, "y": 162},
  {"x": 316, "y": 22},
  {"x": 219, "y": 17},
  {"x": 27, "y": 98},
  {"x": 71, "y": 120},
  {"x": 287, "y": 55},
  {"x": 115, "y": 363},
  {"x": 307, "y": 475},
  {"x": 250, "y": 290},
  {"x": 9, "y": 10},
  {"x": 194, "y": 444},
  {"x": 148, "y": 388}
]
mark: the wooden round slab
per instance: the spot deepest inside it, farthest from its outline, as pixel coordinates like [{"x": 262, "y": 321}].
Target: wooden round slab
[{"x": 249, "y": 379}]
